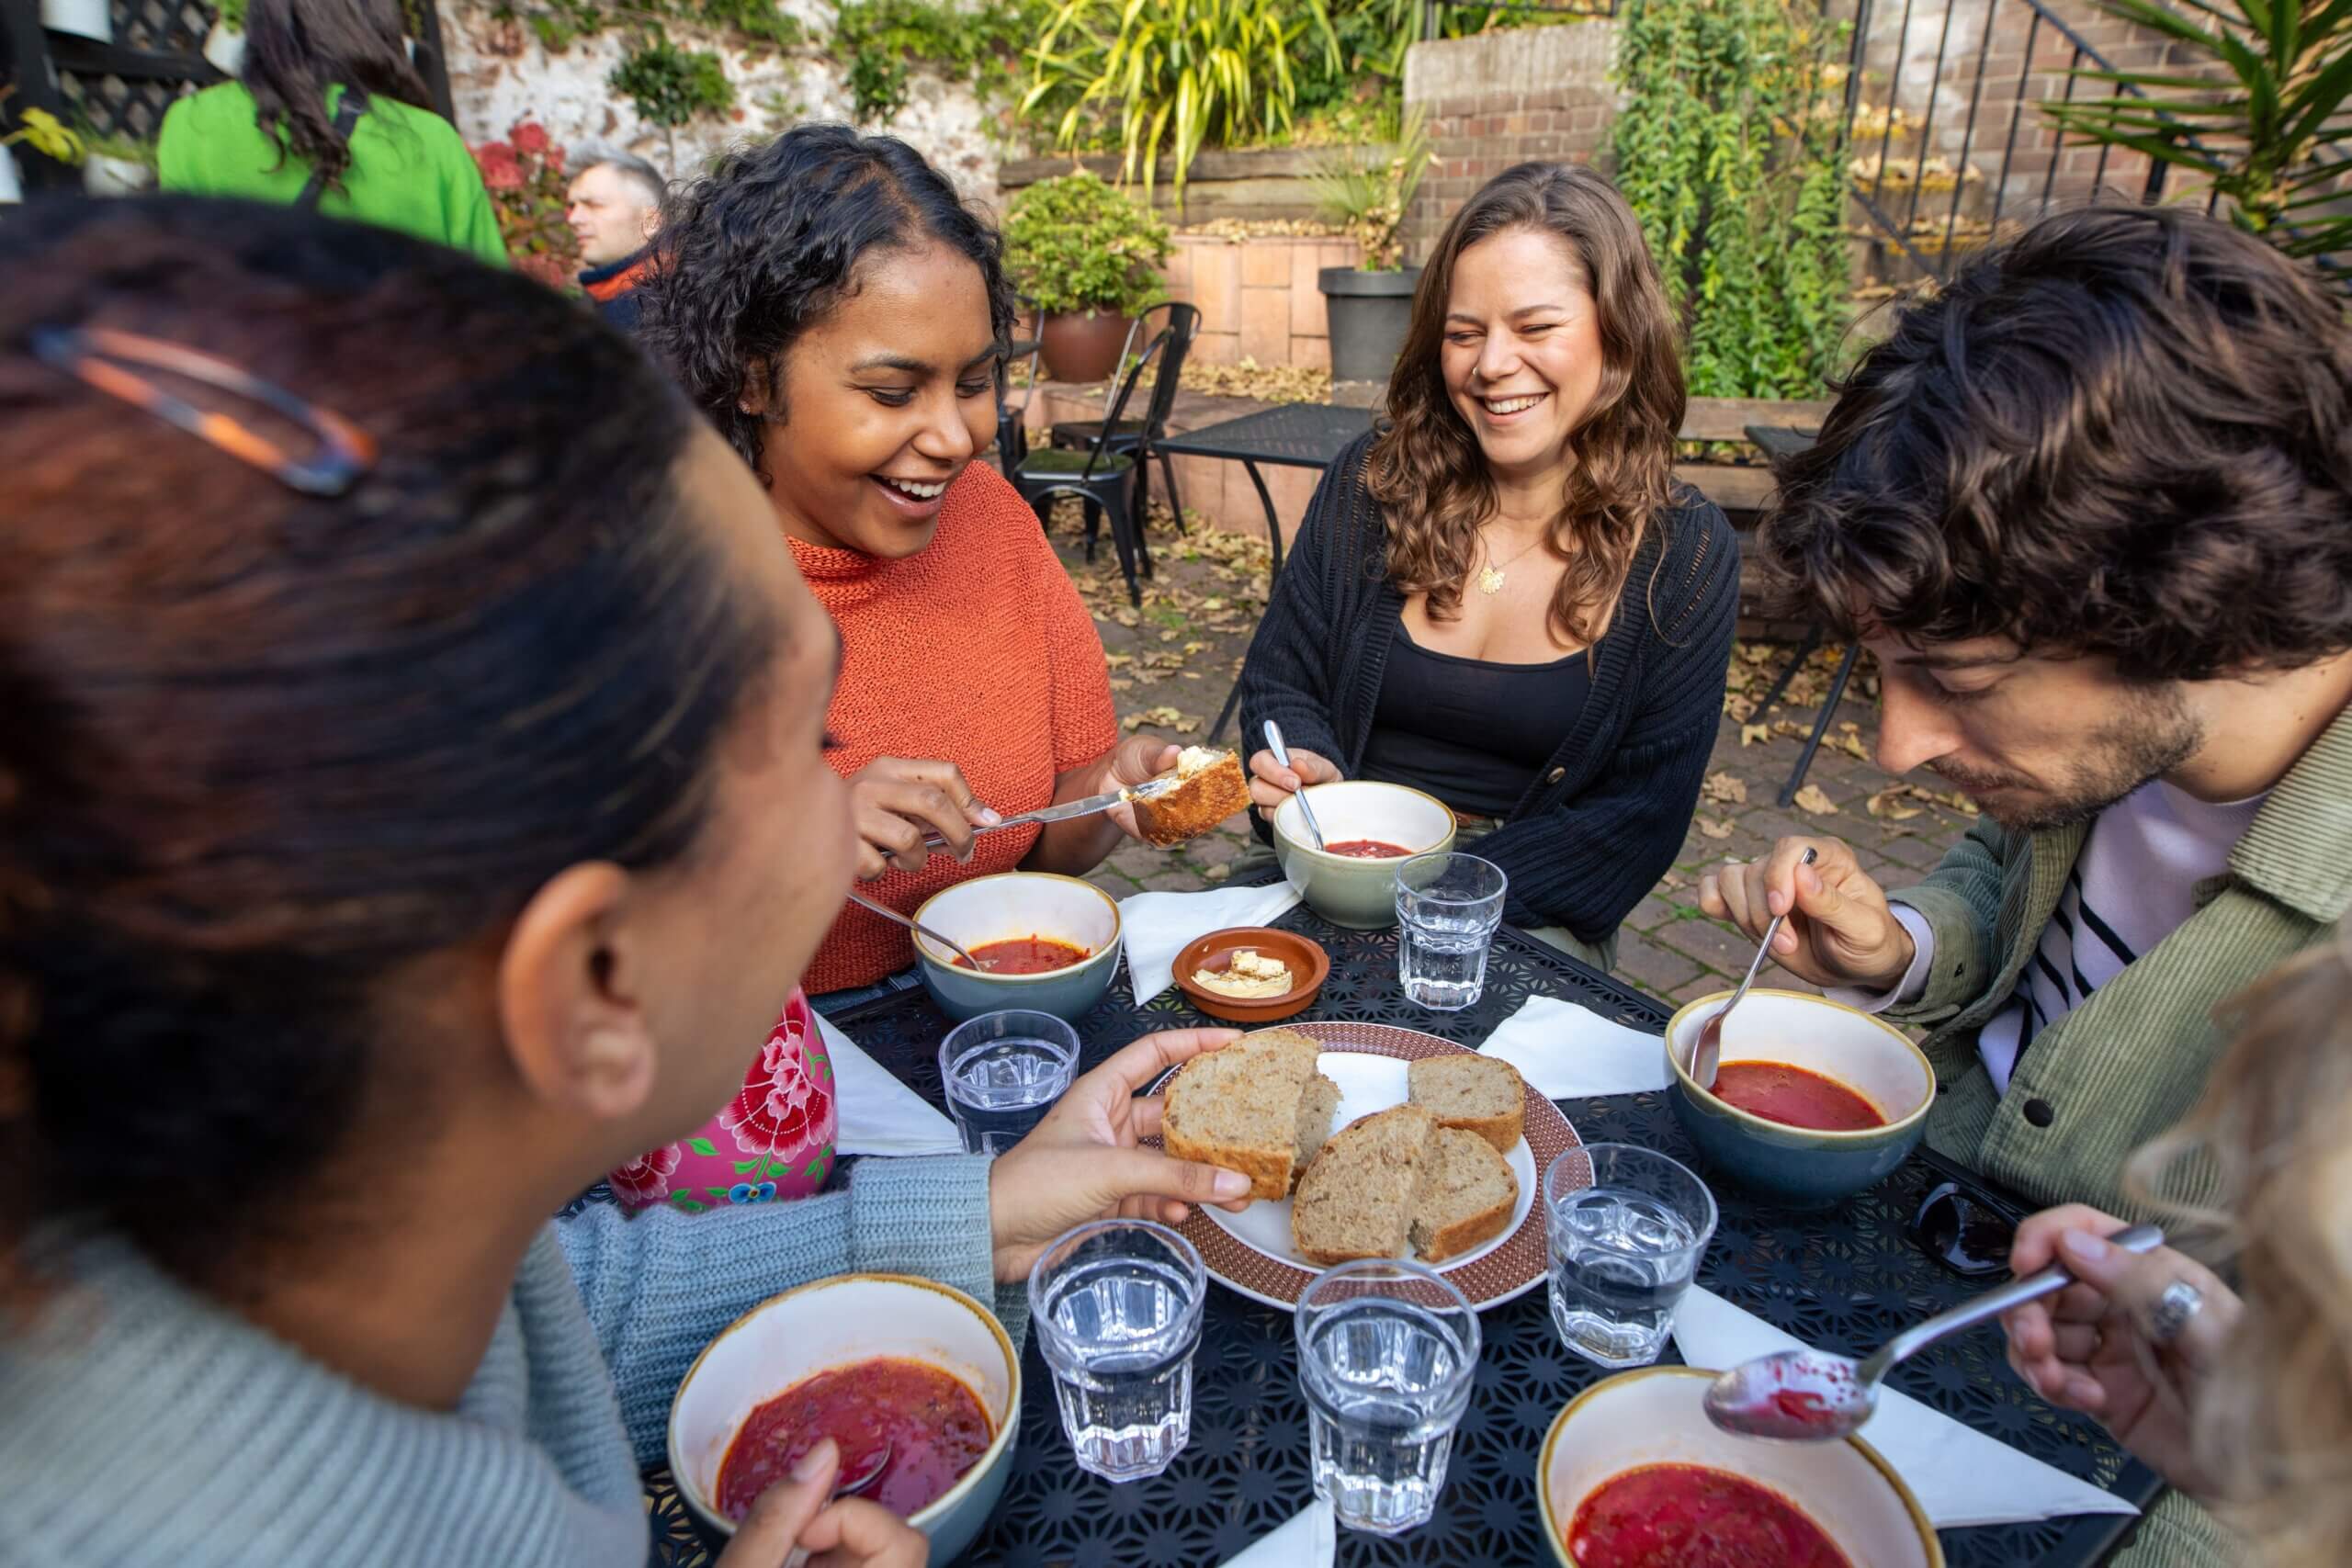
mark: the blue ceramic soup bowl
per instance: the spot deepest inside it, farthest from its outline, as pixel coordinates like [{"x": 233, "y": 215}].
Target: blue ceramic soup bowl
[
  {"x": 1006, "y": 908},
  {"x": 1800, "y": 1165}
]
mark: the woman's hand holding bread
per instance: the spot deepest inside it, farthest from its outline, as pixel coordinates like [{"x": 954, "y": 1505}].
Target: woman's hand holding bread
[{"x": 1082, "y": 1161}]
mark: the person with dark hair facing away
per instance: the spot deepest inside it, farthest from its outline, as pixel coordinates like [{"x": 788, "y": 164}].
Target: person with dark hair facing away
[
  {"x": 330, "y": 113},
  {"x": 614, "y": 206},
  {"x": 413, "y": 794},
  {"x": 1500, "y": 596},
  {"x": 2090, "y": 507},
  {"x": 842, "y": 317}
]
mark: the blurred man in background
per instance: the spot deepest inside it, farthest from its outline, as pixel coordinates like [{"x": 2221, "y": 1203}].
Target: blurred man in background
[{"x": 616, "y": 210}]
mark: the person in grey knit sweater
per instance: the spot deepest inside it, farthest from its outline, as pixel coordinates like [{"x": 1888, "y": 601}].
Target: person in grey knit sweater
[{"x": 412, "y": 794}]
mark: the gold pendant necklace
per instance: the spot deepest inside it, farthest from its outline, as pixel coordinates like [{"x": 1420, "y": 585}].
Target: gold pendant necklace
[{"x": 1491, "y": 576}]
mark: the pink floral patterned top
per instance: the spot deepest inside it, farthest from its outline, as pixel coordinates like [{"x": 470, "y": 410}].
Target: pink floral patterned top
[{"x": 773, "y": 1140}]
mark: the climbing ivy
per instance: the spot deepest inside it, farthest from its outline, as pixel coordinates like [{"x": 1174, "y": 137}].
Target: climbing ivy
[
  {"x": 881, "y": 41},
  {"x": 671, "y": 86},
  {"x": 1729, "y": 149}
]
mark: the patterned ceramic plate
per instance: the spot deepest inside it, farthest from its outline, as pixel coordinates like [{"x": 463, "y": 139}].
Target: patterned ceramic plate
[{"x": 1249, "y": 1252}]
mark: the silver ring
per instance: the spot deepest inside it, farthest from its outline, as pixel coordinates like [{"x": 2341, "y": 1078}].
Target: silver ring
[{"x": 2180, "y": 1302}]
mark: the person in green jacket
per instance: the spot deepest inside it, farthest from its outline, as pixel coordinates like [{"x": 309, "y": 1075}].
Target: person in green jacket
[
  {"x": 2090, "y": 507},
  {"x": 331, "y": 114}
]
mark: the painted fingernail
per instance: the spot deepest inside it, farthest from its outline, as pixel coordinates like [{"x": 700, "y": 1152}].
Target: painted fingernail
[
  {"x": 1230, "y": 1184},
  {"x": 2085, "y": 1245},
  {"x": 810, "y": 1465}
]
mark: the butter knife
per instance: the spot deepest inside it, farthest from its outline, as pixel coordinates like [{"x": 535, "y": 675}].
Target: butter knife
[{"x": 1061, "y": 813}]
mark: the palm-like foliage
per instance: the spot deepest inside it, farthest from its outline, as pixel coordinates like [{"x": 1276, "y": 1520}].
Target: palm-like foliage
[
  {"x": 1180, "y": 71},
  {"x": 2259, "y": 112}
]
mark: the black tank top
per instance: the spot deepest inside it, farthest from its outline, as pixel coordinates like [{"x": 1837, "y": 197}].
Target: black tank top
[{"x": 1469, "y": 731}]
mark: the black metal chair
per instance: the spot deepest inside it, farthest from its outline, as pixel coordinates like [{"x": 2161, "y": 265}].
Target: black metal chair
[
  {"x": 1102, "y": 477},
  {"x": 1011, "y": 427},
  {"x": 1140, "y": 438}
]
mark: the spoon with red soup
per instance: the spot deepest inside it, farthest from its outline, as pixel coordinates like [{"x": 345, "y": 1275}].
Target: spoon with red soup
[
  {"x": 1815, "y": 1397},
  {"x": 906, "y": 1432}
]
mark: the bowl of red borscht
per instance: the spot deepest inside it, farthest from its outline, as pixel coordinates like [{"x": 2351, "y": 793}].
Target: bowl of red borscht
[
  {"x": 865, "y": 1360},
  {"x": 1814, "y": 1101},
  {"x": 1369, "y": 830},
  {"x": 1050, "y": 945},
  {"x": 1634, "y": 1475}
]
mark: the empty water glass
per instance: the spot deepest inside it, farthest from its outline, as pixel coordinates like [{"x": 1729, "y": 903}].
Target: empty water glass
[
  {"x": 1117, "y": 1309},
  {"x": 1003, "y": 1072},
  {"x": 1627, "y": 1227},
  {"x": 1447, "y": 909},
  {"x": 1386, "y": 1350}
]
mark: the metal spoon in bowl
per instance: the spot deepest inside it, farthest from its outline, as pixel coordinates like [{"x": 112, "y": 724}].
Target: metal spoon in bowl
[
  {"x": 889, "y": 914},
  {"x": 1709, "y": 1049},
  {"x": 1281, "y": 755},
  {"x": 1816, "y": 1396}
]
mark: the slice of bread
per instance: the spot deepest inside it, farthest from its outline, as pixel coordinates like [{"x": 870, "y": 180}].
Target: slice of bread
[
  {"x": 1317, "y": 1107},
  {"x": 1242, "y": 1108},
  {"x": 1359, "y": 1197},
  {"x": 1467, "y": 1198},
  {"x": 1476, "y": 1093},
  {"x": 1206, "y": 787}
]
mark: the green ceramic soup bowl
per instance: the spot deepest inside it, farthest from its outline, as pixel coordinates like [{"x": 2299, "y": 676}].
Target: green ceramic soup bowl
[{"x": 1349, "y": 890}]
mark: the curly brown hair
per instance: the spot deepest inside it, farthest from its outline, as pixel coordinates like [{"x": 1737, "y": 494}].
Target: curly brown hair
[
  {"x": 1426, "y": 469},
  {"x": 2128, "y": 432}
]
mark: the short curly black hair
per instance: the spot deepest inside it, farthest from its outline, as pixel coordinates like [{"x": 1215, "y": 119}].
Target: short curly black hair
[
  {"x": 2127, "y": 433},
  {"x": 757, "y": 252}
]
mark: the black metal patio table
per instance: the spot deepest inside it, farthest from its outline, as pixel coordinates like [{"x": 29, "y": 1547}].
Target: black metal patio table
[
  {"x": 1845, "y": 1279},
  {"x": 1293, "y": 436}
]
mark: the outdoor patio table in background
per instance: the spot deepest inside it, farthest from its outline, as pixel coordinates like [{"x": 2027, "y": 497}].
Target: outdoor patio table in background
[
  {"x": 1845, "y": 1279},
  {"x": 1295, "y": 435}
]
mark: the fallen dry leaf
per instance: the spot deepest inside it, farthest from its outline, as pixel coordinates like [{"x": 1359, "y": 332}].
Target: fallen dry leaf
[
  {"x": 1888, "y": 803},
  {"x": 1751, "y": 733},
  {"x": 1715, "y": 828},
  {"x": 1724, "y": 786},
  {"x": 1812, "y": 799},
  {"x": 1670, "y": 880}
]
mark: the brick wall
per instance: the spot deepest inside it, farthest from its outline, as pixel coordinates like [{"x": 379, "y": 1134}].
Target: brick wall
[
  {"x": 1502, "y": 99},
  {"x": 1257, "y": 297}
]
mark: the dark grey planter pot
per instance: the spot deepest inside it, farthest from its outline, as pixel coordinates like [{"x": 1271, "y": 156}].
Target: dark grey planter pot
[{"x": 1368, "y": 313}]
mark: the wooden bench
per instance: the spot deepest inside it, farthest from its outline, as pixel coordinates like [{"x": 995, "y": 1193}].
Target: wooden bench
[{"x": 1739, "y": 489}]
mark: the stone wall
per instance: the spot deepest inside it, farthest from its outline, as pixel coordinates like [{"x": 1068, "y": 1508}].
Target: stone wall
[{"x": 499, "y": 73}]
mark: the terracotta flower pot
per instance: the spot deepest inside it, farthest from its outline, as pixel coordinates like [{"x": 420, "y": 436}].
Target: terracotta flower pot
[{"x": 1082, "y": 346}]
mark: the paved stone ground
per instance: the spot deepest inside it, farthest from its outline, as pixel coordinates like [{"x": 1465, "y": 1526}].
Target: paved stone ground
[{"x": 1173, "y": 661}]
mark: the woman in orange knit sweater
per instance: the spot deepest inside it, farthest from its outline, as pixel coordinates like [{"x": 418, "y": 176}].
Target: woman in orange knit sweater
[{"x": 841, "y": 316}]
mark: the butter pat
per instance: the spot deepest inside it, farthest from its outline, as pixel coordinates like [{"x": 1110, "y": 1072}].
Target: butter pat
[{"x": 1250, "y": 976}]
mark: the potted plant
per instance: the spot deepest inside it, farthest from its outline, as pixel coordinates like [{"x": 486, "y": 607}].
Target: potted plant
[
  {"x": 83, "y": 19},
  {"x": 116, "y": 165},
  {"x": 1366, "y": 191},
  {"x": 1090, "y": 258},
  {"x": 44, "y": 133},
  {"x": 224, "y": 45}
]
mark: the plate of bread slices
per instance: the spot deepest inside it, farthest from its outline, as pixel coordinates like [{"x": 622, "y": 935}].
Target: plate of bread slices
[{"x": 1366, "y": 1140}]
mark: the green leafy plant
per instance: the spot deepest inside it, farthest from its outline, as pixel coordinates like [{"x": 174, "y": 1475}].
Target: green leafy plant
[
  {"x": 1728, "y": 148},
  {"x": 44, "y": 133},
  {"x": 1366, "y": 191},
  {"x": 881, "y": 41},
  {"x": 232, "y": 14},
  {"x": 761, "y": 25},
  {"x": 1180, "y": 73},
  {"x": 671, "y": 86},
  {"x": 2257, "y": 110},
  {"x": 1076, "y": 242}
]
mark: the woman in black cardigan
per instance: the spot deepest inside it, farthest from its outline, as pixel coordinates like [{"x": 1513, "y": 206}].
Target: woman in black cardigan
[{"x": 1500, "y": 596}]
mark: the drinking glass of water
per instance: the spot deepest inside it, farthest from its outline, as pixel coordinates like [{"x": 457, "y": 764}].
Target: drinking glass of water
[
  {"x": 1117, "y": 1309},
  {"x": 1386, "y": 1350},
  {"x": 1628, "y": 1226},
  {"x": 1003, "y": 1072},
  {"x": 1447, "y": 909}
]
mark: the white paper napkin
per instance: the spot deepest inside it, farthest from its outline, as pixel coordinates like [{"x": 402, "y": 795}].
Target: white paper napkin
[
  {"x": 1569, "y": 1052},
  {"x": 1310, "y": 1541},
  {"x": 1158, "y": 924},
  {"x": 877, "y": 1114},
  {"x": 1961, "y": 1476}
]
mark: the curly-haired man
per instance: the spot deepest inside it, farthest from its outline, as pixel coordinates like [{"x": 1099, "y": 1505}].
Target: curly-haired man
[{"x": 2091, "y": 509}]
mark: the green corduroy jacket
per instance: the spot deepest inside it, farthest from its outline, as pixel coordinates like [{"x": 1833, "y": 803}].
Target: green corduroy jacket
[{"x": 2129, "y": 1062}]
